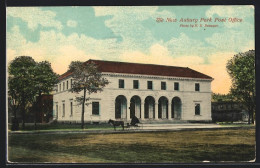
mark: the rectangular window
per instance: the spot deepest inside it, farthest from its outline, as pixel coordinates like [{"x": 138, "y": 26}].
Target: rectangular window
[
  {"x": 71, "y": 108},
  {"x": 57, "y": 110},
  {"x": 136, "y": 84},
  {"x": 121, "y": 83},
  {"x": 67, "y": 84},
  {"x": 176, "y": 86},
  {"x": 163, "y": 85},
  {"x": 149, "y": 84},
  {"x": 197, "y": 109},
  {"x": 71, "y": 83},
  {"x": 63, "y": 85},
  {"x": 63, "y": 110},
  {"x": 95, "y": 108},
  {"x": 197, "y": 87}
]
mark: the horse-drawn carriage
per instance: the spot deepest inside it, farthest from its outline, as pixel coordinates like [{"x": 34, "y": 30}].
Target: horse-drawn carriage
[{"x": 135, "y": 123}]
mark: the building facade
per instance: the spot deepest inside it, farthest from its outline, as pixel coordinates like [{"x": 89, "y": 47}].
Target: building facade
[{"x": 153, "y": 93}]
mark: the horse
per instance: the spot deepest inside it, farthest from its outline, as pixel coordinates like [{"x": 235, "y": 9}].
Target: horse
[{"x": 116, "y": 123}]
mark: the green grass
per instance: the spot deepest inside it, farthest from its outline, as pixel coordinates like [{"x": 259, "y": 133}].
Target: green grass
[{"x": 150, "y": 147}]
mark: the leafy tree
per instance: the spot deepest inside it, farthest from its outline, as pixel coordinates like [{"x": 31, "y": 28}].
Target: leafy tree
[
  {"x": 28, "y": 79},
  {"x": 87, "y": 80},
  {"x": 20, "y": 82},
  {"x": 44, "y": 79},
  {"x": 222, "y": 97},
  {"x": 241, "y": 69}
]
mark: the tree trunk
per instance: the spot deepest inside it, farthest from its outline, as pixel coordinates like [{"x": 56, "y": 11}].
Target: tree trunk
[
  {"x": 83, "y": 109},
  {"x": 252, "y": 114},
  {"x": 249, "y": 115},
  {"x": 37, "y": 109},
  {"x": 35, "y": 116},
  {"x": 23, "y": 111},
  {"x": 23, "y": 115},
  {"x": 15, "y": 114},
  {"x": 15, "y": 123},
  {"x": 14, "y": 110}
]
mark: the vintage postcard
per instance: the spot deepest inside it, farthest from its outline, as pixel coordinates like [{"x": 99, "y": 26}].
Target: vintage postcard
[{"x": 131, "y": 84}]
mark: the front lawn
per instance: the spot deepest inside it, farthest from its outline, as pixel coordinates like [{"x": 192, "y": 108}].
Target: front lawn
[{"x": 150, "y": 147}]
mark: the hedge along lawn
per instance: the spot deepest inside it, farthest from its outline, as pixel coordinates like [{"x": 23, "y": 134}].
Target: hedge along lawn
[
  {"x": 150, "y": 147},
  {"x": 63, "y": 127}
]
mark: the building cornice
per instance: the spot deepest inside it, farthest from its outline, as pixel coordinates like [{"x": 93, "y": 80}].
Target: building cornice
[
  {"x": 152, "y": 77},
  {"x": 146, "y": 76}
]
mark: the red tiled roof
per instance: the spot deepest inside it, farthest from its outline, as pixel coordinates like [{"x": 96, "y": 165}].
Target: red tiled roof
[
  {"x": 144, "y": 69},
  {"x": 66, "y": 74}
]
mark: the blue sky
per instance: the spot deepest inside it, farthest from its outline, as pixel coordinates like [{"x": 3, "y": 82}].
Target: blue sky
[{"x": 64, "y": 34}]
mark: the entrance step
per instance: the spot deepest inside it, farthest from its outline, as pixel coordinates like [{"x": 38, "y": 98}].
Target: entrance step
[{"x": 163, "y": 121}]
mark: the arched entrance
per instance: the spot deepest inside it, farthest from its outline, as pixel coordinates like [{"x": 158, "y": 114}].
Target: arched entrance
[
  {"x": 176, "y": 108},
  {"x": 135, "y": 107},
  {"x": 120, "y": 107},
  {"x": 163, "y": 108},
  {"x": 149, "y": 106}
]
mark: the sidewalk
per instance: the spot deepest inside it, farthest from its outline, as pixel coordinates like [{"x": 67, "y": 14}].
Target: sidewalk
[{"x": 141, "y": 128}]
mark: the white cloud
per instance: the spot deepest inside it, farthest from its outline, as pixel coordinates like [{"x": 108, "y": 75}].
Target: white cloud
[
  {"x": 127, "y": 22},
  {"x": 72, "y": 23},
  {"x": 249, "y": 46},
  {"x": 58, "y": 48},
  {"x": 14, "y": 39},
  {"x": 230, "y": 11},
  {"x": 159, "y": 54},
  {"x": 34, "y": 17},
  {"x": 17, "y": 45},
  {"x": 240, "y": 12},
  {"x": 236, "y": 37},
  {"x": 188, "y": 61},
  {"x": 184, "y": 45},
  {"x": 232, "y": 40},
  {"x": 140, "y": 12},
  {"x": 159, "y": 50}
]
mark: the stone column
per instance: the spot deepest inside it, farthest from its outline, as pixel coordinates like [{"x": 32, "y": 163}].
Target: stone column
[
  {"x": 128, "y": 110},
  {"x": 169, "y": 111},
  {"x": 142, "y": 110},
  {"x": 156, "y": 110}
]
